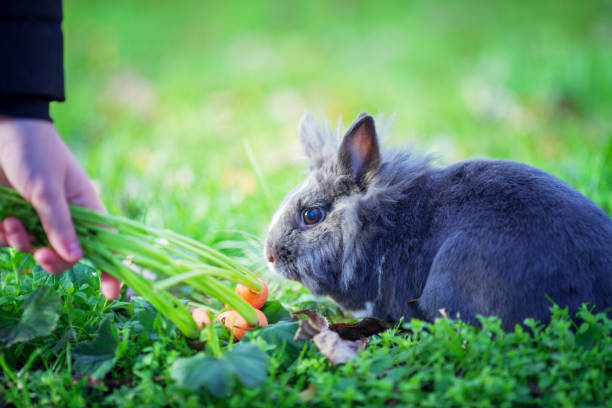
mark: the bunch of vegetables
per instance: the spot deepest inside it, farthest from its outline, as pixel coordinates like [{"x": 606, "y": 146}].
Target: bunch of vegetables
[
  {"x": 123, "y": 247},
  {"x": 231, "y": 319}
]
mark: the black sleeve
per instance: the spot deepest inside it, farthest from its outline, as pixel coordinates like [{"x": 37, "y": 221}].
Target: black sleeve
[{"x": 31, "y": 50}]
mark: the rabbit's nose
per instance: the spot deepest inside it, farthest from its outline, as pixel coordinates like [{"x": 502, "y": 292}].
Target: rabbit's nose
[{"x": 270, "y": 253}]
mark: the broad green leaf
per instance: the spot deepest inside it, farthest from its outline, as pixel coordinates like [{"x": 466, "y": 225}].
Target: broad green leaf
[
  {"x": 275, "y": 312},
  {"x": 197, "y": 371},
  {"x": 279, "y": 333},
  {"x": 39, "y": 317},
  {"x": 80, "y": 274},
  {"x": 146, "y": 317},
  {"x": 97, "y": 357},
  {"x": 249, "y": 363},
  {"x": 280, "y": 336}
]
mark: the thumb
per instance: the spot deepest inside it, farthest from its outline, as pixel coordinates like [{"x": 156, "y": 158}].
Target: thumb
[{"x": 52, "y": 207}]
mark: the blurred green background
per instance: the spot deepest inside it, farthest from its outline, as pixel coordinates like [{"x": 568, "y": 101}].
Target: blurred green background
[{"x": 185, "y": 112}]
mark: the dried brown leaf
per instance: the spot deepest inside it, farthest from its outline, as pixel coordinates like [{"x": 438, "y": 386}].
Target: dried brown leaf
[
  {"x": 308, "y": 393},
  {"x": 337, "y": 350},
  {"x": 317, "y": 319},
  {"x": 338, "y": 342},
  {"x": 365, "y": 328},
  {"x": 310, "y": 327},
  {"x": 306, "y": 331}
]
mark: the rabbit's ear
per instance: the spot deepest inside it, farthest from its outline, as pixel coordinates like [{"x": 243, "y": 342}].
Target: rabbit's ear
[
  {"x": 359, "y": 153},
  {"x": 318, "y": 141}
]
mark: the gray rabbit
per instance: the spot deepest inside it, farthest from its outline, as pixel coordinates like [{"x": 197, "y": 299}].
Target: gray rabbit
[{"x": 389, "y": 235}]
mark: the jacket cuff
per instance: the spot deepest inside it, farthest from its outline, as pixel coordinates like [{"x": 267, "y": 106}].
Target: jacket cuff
[{"x": 24, "y": 107}]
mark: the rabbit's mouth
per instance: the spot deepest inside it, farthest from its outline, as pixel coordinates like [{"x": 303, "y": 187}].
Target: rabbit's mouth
[
  {"x": 292, "y": 272},
  {"x": 286, "y": 271}
]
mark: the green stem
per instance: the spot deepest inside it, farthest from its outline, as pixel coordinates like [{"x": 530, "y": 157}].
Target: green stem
[
  {"x": 160, "y": 299},
  {"x": 215, "y": 256},
  {"x": 107, "y": 239},
  {"x": 213, "y": 341},
  {"x": 176, "y": 279}
]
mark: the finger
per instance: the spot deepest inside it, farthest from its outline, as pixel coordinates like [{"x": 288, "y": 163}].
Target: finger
[
  {"x": 110, "y": 286},
  {"x": 50, "y": 261},
  {"x": 16, "y": 235},
  {"x": 54, "y": 213}
]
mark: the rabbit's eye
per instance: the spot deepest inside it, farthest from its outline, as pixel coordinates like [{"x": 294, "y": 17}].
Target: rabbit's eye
[{"x": 312, "y": 216}]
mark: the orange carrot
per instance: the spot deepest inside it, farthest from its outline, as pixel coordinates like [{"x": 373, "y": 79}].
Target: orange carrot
[
  {"x": 255, "y": 299},
  {"x": 237, "y": 324},
  {"x": 200, "y": 315}
]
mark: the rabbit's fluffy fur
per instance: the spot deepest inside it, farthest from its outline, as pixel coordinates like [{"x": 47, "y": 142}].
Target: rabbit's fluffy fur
[{"x": 399, "y": 237}]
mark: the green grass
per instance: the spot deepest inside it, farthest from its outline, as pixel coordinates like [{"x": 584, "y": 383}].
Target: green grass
[
  {"x": 133, "y": 352},
  {"x": 163, "y": 99}
]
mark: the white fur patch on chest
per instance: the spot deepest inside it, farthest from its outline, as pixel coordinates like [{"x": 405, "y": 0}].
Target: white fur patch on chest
[{"x": 367, "y": 311}]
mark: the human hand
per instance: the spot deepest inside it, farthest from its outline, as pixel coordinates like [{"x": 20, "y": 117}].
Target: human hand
[{"x": 35, "y": 161}]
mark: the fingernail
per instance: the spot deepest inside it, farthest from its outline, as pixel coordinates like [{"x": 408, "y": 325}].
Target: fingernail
[{"x": 75, "y": 251}]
